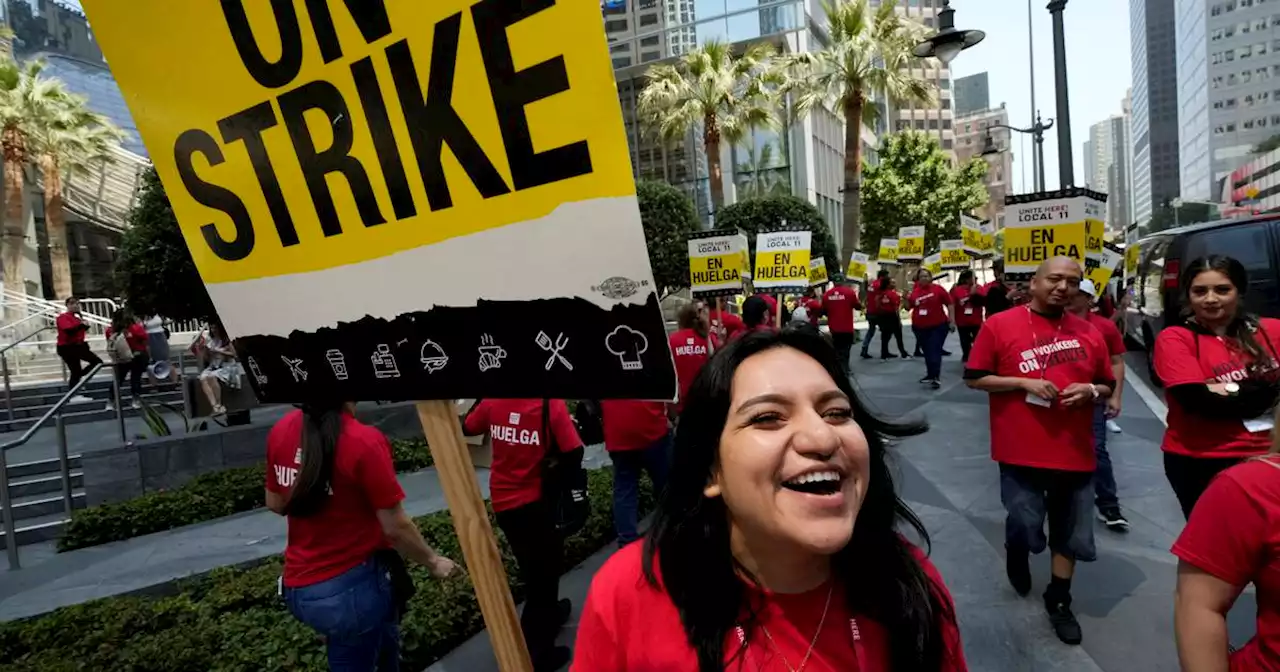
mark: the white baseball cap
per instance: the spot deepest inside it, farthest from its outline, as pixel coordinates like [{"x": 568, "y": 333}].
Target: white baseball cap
[{"x": 1086, "y": 287}]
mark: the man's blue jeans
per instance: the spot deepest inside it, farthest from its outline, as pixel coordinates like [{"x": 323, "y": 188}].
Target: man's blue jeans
[
  {"x": 1104, "y": 479},
  {"x": 627, "y": 466},
  {"x": 356, "y": 613},
  {"x": 931, "y": 341}
]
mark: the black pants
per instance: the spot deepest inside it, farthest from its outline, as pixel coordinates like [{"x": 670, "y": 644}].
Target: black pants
[
  {"x": 72, "y": 355},
  {"x": 1190, "y": 476},
  {"x": 872, "y": 323},
  {"x": 539, "y": 552},
  {"x": 967, "y": 337},
  {"x": 890, "y": 327},
  {"x": 844, "y": 346},
  {"x": 135, "y": 369}
]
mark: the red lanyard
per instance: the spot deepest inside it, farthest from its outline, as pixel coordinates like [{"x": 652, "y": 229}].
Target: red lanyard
[
  {"x": 1035, "y": 339},
  {"x": 859, "y": 655}
]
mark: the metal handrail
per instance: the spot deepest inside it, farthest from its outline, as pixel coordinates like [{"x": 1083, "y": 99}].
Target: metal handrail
[
  {"x": 20, "y": 341},
  {"x": 4, "y": 367},
  {"x": 43, "y": 312},
  {"x": 6, "y": 503}
]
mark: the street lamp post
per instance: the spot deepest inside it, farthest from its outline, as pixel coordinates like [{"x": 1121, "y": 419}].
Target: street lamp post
[
  {"x": 945, "y": 45},
  {"x": 1037, "y": 134},
  {"x": 1066, "y": 164}
]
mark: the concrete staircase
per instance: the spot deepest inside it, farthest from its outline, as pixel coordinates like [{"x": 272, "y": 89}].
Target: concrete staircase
[
  {"x": 38, "y": 509},
  {"x": 31, "y": 401}
]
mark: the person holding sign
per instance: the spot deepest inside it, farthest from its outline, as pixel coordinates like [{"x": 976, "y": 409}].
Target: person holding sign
[
  {"x": 754, "y": 560},
  {"x": 1044, "y": 369},
  {"x": 523, "y": 434},
  {"x": 331, "y": 476},
  {"x": 840, "y": 303},
  {"x": 1219, "y": 368},
  {"x": 968, "y": 312},
  {"x": 932, "y": 320}
]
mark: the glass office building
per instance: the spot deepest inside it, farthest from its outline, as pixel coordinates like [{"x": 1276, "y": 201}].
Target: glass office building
[{"x": 1154, "y": 125}]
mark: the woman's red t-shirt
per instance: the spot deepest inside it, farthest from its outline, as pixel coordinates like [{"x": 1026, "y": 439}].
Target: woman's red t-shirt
[
  {"x": 346, "y": 531},
  {"x": 1234, "y": 535},
  {"x": 629, "y": 626},
  {"x": 1184, "y": 357},
  {"x": 690, "y": 352},
  {"x": 968, "y": 314},
  {"x": 135, "y": 335},
  {"x": 519, "y": 445},
  {"x": 631, "y": 424},
  {"x": 927, "y": 306}
]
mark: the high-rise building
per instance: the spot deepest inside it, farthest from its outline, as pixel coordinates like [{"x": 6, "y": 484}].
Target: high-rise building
[
  {"x": 936, "y": 119},
  {"x": 972, "y": 131},
  {"x": 1106, "y": 168},
  {"x": 1155, "y": 105},
  {"x": 973, "y": 93},
  {"x": 1228, "y": 88},
  {"x": 1126, "y": 110}
]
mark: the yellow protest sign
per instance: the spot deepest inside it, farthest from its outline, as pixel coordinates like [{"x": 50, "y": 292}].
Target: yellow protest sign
[
  {"x": 888, "y": 251},
  {"x": 911, "y": 243},
  {"x": 988, "y": 238},
  {"x": 858, "y": 266},
  {"x": 715, "y": 264},
  {"x": 971, "y": 237},
  {"x": 745, "y": 246},
  {"x": 1131, "y": 253},
  {"x": 1101, "y": 274},
  {"x": 782, "y": 262},
  {"x": 1044, "y": 225},
  {"x": 818, "y": 271},
  {"x": 933, "y": 264},
  {"x": 953, "y": 254}
]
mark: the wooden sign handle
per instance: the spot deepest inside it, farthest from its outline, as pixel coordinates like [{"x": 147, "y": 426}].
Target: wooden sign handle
[
  {"x": 475, "y": 534},
  {"x": 711, "y": 341},
  {"x": 777, "y": 314}
]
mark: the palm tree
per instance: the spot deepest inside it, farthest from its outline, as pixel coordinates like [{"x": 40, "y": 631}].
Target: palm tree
[
  {"x": 68, "y": 139},
  {"x": 869, "y": 55},
  {"x": 709, "y": 86},
  {"x": 762, "y": 177}
]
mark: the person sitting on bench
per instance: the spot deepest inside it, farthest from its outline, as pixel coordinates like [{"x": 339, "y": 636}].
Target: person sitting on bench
[{"x": 220, "y": 365}]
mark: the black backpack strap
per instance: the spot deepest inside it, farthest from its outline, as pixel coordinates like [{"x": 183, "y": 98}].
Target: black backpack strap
[{"x": 548, "y": 437}]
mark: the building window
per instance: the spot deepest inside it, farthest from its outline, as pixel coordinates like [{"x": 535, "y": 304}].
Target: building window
[
  {"x": 620, "y": 48},
  {"x": 947, "y": 143},
  {"x": 621, "y": 63},
  {"x": 648, "y": 19},
  {"x": 650, "y": 56},
  {"x": 1248, "y": 123},
  {"x": 1231, "y": 127},
  {"x": 649, "y": 41},
  {"x": 933, "y": 124},
  {"x": 919, "y": 123},
  {"x": 615, "y": 26}
]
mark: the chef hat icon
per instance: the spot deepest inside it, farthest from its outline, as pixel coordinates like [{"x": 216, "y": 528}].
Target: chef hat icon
[{"x": 628, "y": 344}]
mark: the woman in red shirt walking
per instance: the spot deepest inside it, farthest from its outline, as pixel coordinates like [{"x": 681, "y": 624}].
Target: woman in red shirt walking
[
  {"x": 968, "y": 314},
  {"x": 126, "y": 326},
  {"x": 637, "y": 436},
  {"x": 754, "y": 561},
  {"x": 332, "y": 477},
  {"x": 932, "y": 320},
  {"x": 890, "y": 322},
  {"x": 1219, "y": 368},
  {"x": 691, "y": 345}
]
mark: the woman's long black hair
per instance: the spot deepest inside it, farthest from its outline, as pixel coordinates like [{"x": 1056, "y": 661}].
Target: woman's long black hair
[
  {"x": 121, "y": 320},
  {"x": 1242, "y": 325},
  {"x": 689, "y": 538},
  {"x": 321, "y": 426}
]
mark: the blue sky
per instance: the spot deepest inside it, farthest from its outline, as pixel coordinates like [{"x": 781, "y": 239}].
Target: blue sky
[{"x": 1098, "y": 68}]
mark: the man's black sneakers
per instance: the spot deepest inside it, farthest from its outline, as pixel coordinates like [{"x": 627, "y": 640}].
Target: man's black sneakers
[
  {"x": 1114, "y": 520},
  {"x": 1064, "y": 623},
  {"x": 865, "y": 355},
  {"x": 1017, "y": 565}
]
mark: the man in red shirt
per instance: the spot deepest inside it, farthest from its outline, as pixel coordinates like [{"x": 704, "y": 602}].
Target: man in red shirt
[
  {"x": 691, "y": 346},
  {"x": 839, "y": 304},
  {"x": 72, "y": 347},
  {"x": 1104, "y": 479},
  {"x": 725, "y": 324},
  {"x": 638, "y": 438},
  {"x": 1044, "y": 369},
  {"x": 968, "y": 314},
  {"x": 523, "y": 434},
  {"x": 872, "y": 307}
]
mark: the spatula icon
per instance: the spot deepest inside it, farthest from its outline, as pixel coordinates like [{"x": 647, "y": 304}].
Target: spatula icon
[{"x": 544, "y": 342}]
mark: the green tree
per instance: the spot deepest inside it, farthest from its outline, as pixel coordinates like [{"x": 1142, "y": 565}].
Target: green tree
[
  {"x": 868, "y": 56},
  {"x": 755, "y": 215},
  {"x": 669, "y": 217},
  {"x": 68, "y": 139},
  {"x": 154, "y": 271},
  {"x": 1166, "y": 216},
  {"x": 710, "y": 89},
  {"x": 759, "y": 176},
  {"x": 914, "y": 184},
  {"x": 1267, "y": 145}
]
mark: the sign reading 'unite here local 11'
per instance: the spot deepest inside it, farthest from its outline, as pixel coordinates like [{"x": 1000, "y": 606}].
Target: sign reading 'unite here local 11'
[{"x": 401, "y": 200}]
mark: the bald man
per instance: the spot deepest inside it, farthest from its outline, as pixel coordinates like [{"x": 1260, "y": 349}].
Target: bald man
[{"x": 1044, "y": 369}]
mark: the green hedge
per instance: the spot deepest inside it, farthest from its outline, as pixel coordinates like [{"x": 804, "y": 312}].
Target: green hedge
[
  {"x": 232, "y": 621},
  {"x": 206, "y": 497}
]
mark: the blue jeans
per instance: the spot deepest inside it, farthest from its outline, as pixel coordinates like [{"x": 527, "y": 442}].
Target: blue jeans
[
  {"x": 1031, "y": 495},
  {"x": 627, "y": 465},
  {"x": 1104, "y": 479},
  {"x": 931, "y": 342},
  {"x": 871, "y": 333},
  {"x": 356, "y": 613}
]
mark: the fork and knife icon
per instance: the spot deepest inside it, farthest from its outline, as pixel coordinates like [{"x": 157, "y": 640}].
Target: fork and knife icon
[{"x": 544, "y": 342}]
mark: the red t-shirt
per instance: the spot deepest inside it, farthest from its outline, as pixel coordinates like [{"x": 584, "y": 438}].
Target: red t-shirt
[
  {"x": 71, "y": 321},
  {"x": 632, "y": 425},
  {"x": 1110, "y": 334},
  {"x": 890, "y": 301},
  {"x": 1020, "y": 343},
  {"x": 346, "y": 531},
  {"x": 135, "y": 335},
  {"x": 629, "y": 626},
  {"x": 873, "y": 302},
  {"x": 732, "y": 323},
  {"x": 773, "y": 305},
  {"x": 814, "y": 308},
  {"x": 690, "y": 352},
  {"x": 839, "y": 303},
  {"x": 1185, "y": 357},
  {"x": 967, "y": 313},
  {"x": 519, "y": 445},
  {"x": 927, "y": 306},
  {"x": 1234, "y": 535}
]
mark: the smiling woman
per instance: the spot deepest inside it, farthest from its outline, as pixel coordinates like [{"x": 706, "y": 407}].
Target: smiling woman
[{"x": 774, "y": 546}]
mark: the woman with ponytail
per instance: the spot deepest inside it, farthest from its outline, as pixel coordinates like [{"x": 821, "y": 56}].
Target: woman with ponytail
[
  {"x": 1219, "y": 368},
  {"x": 332, "y": 477}
]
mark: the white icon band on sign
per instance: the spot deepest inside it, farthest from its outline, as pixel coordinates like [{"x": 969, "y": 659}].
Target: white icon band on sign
[
  {"x": 338, "y": 363},
  {"x": 491, "y": 355},
  {"x": 384, "y": 363},
  {"x": 628, "y": 344},
  {"x": 295, "y": 369},
  {"x": 544, "y": 342},
  {"x": 257, "y": 372},
  {"x": 432, "y": 357}
]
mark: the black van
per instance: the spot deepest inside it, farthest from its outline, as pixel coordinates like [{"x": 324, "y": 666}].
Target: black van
[{"x": 1154, "y": 299}]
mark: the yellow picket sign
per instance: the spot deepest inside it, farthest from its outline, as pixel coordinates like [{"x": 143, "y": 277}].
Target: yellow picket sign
[
  {"x": 1131, "y": 253},
  {"x": 858, "y": 266},
  {"x": 1031, "y": 246},
  {"x": 818, "y": 271},
  {"x": 988, "y": 238},
  {"x": 888, "y": 251},
  {"x": 953, "y": 254},
  {"x": 933, "y": 264},
  {"x": 911, "y": 243},
  {"x": 782, "y": 261},
  {"x": 971, "y": 238}
]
